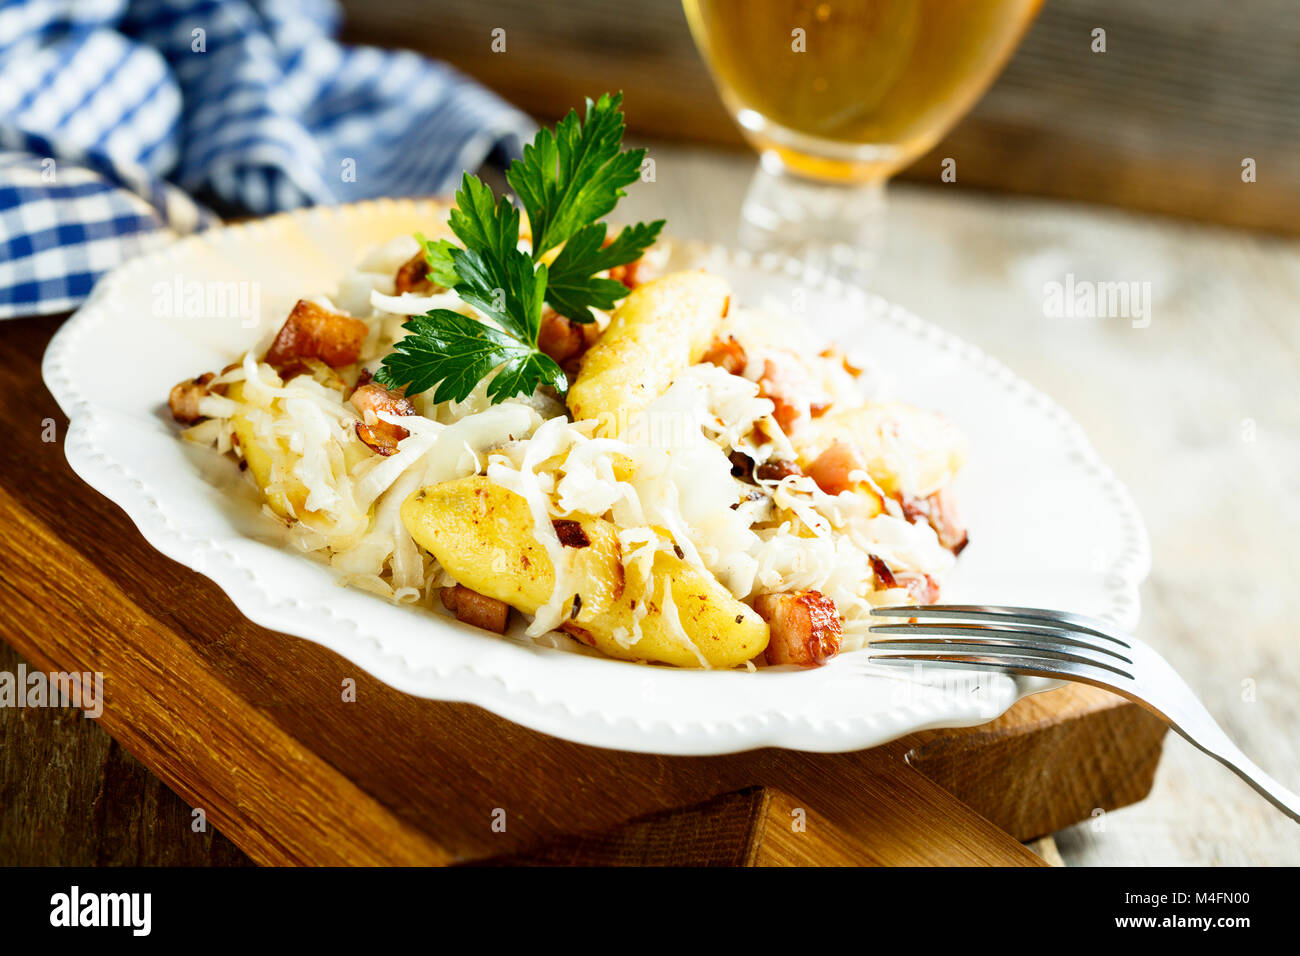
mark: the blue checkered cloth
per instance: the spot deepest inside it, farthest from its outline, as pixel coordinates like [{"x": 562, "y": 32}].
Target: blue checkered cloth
[{"x": 115, "y": 113}]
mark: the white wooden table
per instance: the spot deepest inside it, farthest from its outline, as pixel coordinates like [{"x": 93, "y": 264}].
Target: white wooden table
[{"x": 1198, "y": 413}]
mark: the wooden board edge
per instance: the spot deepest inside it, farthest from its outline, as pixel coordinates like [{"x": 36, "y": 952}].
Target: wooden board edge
[{"x": 292, "y": 786}]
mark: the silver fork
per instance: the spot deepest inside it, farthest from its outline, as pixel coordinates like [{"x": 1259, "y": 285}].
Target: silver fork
[{"x": 1025, "y": 640}]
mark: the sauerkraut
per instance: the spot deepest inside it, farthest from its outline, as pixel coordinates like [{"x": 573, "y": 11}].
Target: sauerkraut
[{"x": 715, "y": 471}]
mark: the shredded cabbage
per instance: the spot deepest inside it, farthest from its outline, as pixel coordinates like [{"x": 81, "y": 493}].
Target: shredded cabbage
[{"x": 667, "y": 483}]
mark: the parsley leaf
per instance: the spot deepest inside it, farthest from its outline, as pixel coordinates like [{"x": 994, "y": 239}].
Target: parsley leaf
[
  {"x": 498, "y": 289},
  {"x": 482, "y": 222},
  {"x": 566, "y": 181},
  {"x": 438, "y": 254},
  {"x": 455, "y": 352},
  {"x": 573, "y": 288},
  {"x": 576, "y": 174}
]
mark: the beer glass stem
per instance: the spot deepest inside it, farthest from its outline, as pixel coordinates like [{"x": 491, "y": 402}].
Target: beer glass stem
[{"x": 834, "y": 228}]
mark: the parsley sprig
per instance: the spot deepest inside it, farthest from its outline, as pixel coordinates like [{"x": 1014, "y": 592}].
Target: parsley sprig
[{"x": 567, "y": 181}]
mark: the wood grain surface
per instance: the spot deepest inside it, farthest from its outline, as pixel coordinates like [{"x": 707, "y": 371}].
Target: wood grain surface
[
  {"x": 252, "y": 728},
  {"x": 71, "y": 795},
  {"x": 1160, "y": 121}
]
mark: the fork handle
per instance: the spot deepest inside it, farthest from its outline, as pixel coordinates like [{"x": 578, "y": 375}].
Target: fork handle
[{"x": 1230, "y": 755}]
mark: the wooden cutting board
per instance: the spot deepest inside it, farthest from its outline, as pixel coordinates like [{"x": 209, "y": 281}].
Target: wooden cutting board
[{"x": 252, "y": 727}]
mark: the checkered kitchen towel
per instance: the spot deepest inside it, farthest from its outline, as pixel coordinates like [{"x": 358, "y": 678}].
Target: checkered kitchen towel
[{"x": 113, "y": 113}]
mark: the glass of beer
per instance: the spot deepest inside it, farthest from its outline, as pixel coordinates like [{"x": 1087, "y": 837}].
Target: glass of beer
[{"x": 837, "y": 95}]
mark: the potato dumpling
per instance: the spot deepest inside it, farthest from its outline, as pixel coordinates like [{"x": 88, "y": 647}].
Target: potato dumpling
[
  {"x": 905, "y": 450},
  {"x": 289, "y": 499},
  {"x": 482, "y": 534},
  {"x": 659, "y": 330}
]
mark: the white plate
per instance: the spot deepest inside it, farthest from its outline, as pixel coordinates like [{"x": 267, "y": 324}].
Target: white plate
[{"x": 1050, "y": 526}]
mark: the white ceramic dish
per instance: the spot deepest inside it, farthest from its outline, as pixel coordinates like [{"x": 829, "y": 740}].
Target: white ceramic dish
[{"x": 1050, "y": 525}]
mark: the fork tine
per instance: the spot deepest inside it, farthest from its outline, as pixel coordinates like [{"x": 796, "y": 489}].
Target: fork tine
[
  {"x": 1031, "y": 666},
  {"x": 1056, "y": 638},
  {"x": 1009, "y": 615},
  {"x": 1000, "y": 649}
]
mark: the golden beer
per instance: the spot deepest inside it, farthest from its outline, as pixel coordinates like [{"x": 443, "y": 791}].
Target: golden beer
[{"x": 851, "y": 90}]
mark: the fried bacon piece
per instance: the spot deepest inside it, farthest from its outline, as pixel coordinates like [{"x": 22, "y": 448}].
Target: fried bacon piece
[
  {"x": 564, "y": 340},
  {"x": 726, "y": 354},
  {"x": 413, "y": 276},
  {"x": 923, "y": 588},
  {"x": 805, "y": 627},
  {"x": 313, "y": 332},
  {"x": 776, "y": 469},
  {"x": 570, "y": 533},
  {"x": 381, "y": 436},
  {"x": 883, "y": 571},
  {"x": 184, "y": 398},
  {"x": 478, "y": 609},
  {"x": 559, "y": 336},
  {"x": 832, "y": 468},
  {"x": 940, "y": 512},
  {"x": 770, "y": 386},
  {"x": 627, "y": 274},
  {"x": 946, "y": 521}
]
